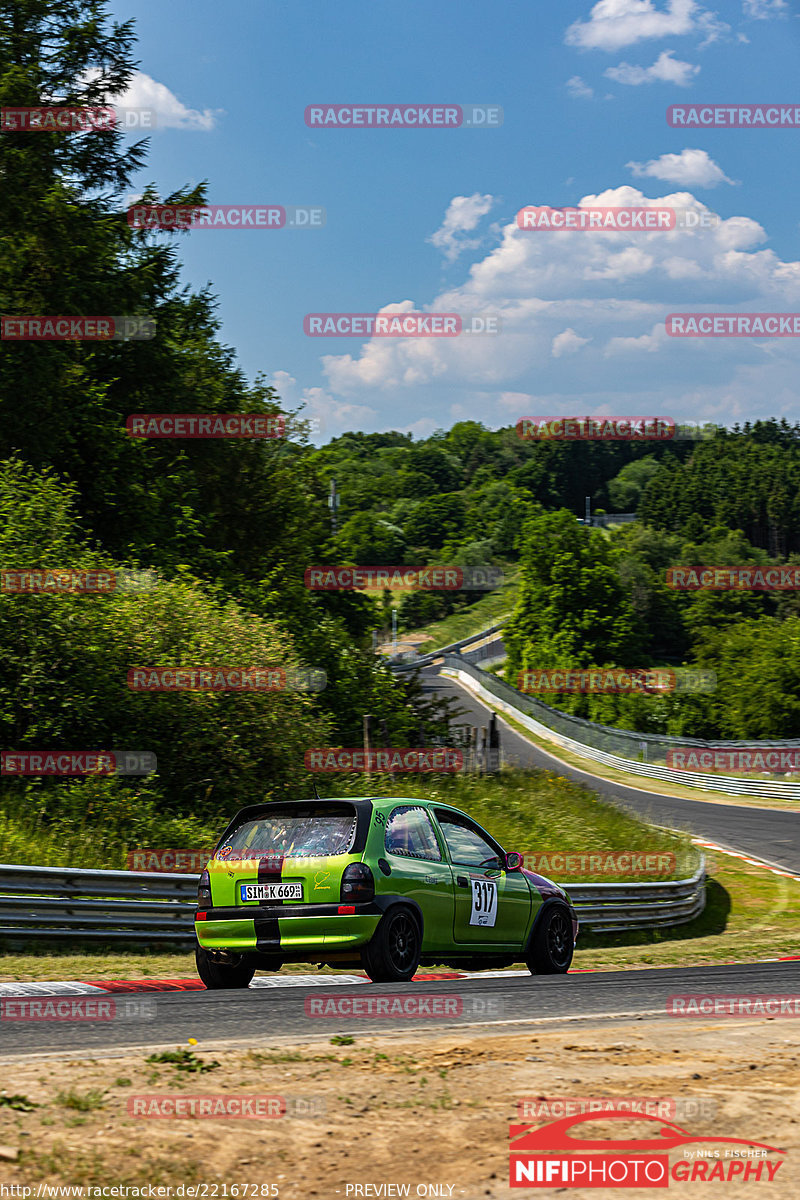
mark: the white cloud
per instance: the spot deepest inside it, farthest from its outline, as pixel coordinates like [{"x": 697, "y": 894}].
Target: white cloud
[
  {"x": 709, "y": 24},
  {"x": 420, "y": 429},
  {"x": 690, "y": 168},
  {"x": 605, "y": 295},
  {"x": 462, "y": 216},
  {"x": 645, "y": 343},
  {"x": 665, "y": 69},
  {"x": 171, "y": 113},
  {"x": 762, "y": 10},
  {"x": 613, "y": 24},
  {"x": 329, "y": 416},
  {"x": 513, "y": 401},
  {"x": 580, "y": 90},
  {"x": 567, "y": 342}
]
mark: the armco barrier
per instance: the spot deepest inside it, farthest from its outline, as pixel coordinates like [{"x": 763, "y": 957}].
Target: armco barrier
[
  {"x": 608, "y": 907},
  {"x": 72, "y": 904},
  {"x": 625, "y": 749},
  {"x": 64, "y": 904},
  {"x": 462, "y": 647},
  {"x": 606, "y": 745}
]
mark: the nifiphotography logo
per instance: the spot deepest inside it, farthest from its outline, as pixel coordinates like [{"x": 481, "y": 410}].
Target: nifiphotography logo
[{"x": 553, "y": 1156}]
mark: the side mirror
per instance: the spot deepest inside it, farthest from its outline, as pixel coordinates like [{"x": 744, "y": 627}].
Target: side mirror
[{"x": 513, "y": 861}]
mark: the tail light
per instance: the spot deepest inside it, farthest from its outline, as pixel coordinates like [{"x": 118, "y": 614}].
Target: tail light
[
  {"x": 204, "y": 890},
  {"x": 358, "y": 884}
]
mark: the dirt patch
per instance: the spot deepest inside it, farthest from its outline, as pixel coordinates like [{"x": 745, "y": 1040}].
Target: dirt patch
[{"x": 430, "y": 1112}]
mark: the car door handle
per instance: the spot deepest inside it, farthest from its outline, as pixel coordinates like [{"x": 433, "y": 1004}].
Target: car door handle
[{"x": 462, "y": 881}]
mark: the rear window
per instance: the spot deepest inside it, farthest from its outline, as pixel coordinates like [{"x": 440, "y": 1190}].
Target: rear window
[{"x": 306, "y": 832}]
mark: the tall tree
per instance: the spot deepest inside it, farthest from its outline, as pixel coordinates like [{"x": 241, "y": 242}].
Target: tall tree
[
  {"x": 238, "y": 509},
  {"x": 573, "y": 609}
]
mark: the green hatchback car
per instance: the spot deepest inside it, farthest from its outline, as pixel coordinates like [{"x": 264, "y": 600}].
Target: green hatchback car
[{"x": 382, "y": 883}]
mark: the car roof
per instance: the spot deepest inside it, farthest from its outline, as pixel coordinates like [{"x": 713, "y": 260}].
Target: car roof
[
  {"x": 360, "y": 803},
  {"x": 254, "y": 811},
  {"x": 422, "y": 802}
]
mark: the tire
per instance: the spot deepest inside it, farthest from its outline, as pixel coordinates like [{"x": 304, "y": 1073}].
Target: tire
[
  {"x": 551, "y": 946},
  {"x": 267, "y": 962},
  {"x": 394, "y": 952},
  {"x": 218, "y": 973}
]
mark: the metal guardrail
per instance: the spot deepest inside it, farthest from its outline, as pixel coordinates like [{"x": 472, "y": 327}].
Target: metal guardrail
[
  {"x": 608, "y": 907},
  {"x": 65, "y": 904},
  {"x": 424, "y": 660},
  {"x": 70, "y": 903},
  {"x": 626, "y": 749},
  {"x": 599, "y": 742}
]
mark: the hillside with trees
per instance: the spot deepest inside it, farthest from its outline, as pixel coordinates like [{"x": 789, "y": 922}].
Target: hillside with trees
[{"x": 227, "y": 527}]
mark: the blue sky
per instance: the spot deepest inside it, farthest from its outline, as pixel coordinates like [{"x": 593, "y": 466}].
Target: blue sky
[{"x": 425, "y": 219}]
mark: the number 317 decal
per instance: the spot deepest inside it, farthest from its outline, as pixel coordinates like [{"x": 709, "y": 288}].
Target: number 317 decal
[{"x": 484, "y": 902}]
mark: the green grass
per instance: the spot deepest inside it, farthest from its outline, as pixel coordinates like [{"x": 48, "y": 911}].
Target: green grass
[
  {"x": 91, "y": 824},
  {"x": 751, "y": 914},
  {"x": 18, "y": 1103},
  {"x": 644, "y": 783},
  {"x": 495, "y": 606},
  {"x": 183, "y": 1060},
  {"x": 81, "y": 1101},
  {"x": 537, "y": 811},
  {"x": 525, "y": 810}
]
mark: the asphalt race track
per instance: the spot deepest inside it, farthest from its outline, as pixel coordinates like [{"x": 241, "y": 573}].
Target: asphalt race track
[
  {"x": 765, "y": 833},
  {"x": 493, "y": 1004}
]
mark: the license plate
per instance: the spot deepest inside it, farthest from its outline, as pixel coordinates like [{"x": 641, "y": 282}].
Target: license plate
[{"x": 270, "y": 891}]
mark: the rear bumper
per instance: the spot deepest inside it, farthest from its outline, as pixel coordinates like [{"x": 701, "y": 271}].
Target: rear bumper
[{"x": 288, "y": 929}]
